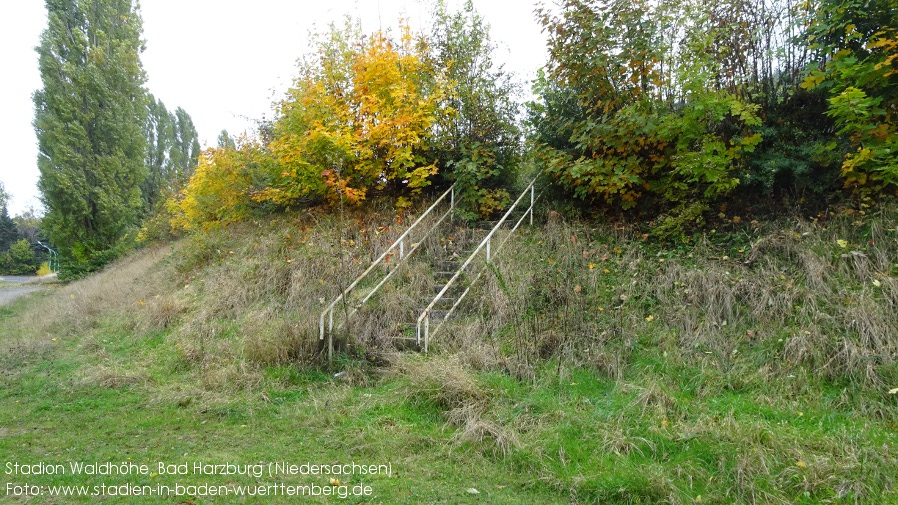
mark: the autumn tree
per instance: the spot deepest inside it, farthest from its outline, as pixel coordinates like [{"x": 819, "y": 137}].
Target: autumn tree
[
  {"x": 224, "y": 186},
  {"x": 89, "y": 118},
  {"x": 655, "y": 122},
  {"x": 856, "y": 43},
  {"x": 356, "y": 120}
]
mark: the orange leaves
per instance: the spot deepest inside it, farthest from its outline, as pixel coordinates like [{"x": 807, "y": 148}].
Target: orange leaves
[{"x": 357, "y": 119}]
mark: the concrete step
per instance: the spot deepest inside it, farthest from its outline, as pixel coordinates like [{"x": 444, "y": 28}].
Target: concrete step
[
  {"x": 436, "y": 315},
  {"x": 453, "y": 289}
]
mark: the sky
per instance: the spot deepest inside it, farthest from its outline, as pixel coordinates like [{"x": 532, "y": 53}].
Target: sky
[{"x": 223, "y": 61}]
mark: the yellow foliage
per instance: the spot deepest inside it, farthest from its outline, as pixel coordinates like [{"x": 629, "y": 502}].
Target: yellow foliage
[
  {"x": 357, "y": 120},
  {"x": 221, "y": 189}
]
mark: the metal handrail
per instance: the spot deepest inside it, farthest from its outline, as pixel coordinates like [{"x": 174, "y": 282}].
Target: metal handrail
[
  {"x": 424, "y": 318},
  {"x": 398, "y": 243}
]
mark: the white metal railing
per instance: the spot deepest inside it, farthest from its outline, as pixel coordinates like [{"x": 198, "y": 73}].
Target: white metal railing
[
  {"x": 399, "y": 246},
  {"x": 486, "y": 244}
]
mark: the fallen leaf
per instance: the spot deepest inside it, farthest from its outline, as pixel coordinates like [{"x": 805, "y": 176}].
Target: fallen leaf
[
  {"x": 842, "y": 243},
  {"x": 471, "y": 490}
]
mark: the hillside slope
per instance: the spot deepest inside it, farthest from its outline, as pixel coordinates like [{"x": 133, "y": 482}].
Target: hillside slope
[{"x": 589, "y": 366}]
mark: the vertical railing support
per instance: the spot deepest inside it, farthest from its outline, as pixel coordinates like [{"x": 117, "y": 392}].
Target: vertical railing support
[
  {"x": 452, "y": 203},
  {"x": 383, "y": 258},
  {"x": 424, "y": 318}
]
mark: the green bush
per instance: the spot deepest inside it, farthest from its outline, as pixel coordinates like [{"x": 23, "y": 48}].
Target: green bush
[{"x": 19, "y": 259}]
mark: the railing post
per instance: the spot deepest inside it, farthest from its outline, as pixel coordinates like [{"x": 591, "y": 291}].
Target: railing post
[
  {"x": 488, "y": 240},
  {"x": 452, "y": 203},
  {"x": 426, "y": 331},
  {"x": 401, "y": 249}
]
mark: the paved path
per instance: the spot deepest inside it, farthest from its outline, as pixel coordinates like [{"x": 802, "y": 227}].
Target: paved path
[{"x": 14, "y": 286}]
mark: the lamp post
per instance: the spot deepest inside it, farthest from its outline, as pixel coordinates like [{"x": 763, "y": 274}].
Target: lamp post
[{"x": 54, "y": 257}]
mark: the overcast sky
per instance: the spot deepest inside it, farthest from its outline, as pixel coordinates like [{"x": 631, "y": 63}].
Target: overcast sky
[{"x": 223, "y": 61}]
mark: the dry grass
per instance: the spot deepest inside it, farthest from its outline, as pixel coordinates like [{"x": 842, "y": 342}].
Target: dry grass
[
  {"x": 224, "y": 305},
  {"x": 121, "y": 288},
  {"x": 822, "y": 298},
  {"x": 113, "y": 377},
  {"x": 698, "y": 360},
  {"x": 446, "y": 383}
]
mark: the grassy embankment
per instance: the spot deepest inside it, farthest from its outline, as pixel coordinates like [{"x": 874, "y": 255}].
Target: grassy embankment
[{"x": 590, "y": 367}]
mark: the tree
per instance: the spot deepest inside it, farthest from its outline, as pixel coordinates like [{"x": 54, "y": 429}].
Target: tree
[
  {"x": 639, "y": 107},
  {"x": 857, "y": 47},
  {"x": 160, "y": 133},
  {"x": 89, "y": 119},
  {"x": 8, "y": 233},
  {"x": 172, "y": 152},
  {"x": 4, "y": 196},
  {"x": 28, "y": 225},
  {"x": 187, "y": 145},
  {"x": 19, "y": 259},
  {"x": 222, "y": 188},
  {"x": 225, "y": 140},
  {"x": 477, "y": 141},
  {"x": 356, "y": 120}
]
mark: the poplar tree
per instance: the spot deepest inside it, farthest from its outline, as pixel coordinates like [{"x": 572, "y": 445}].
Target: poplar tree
[
  {"x": 173, "y": 148},
  {"x": 89, "y": 120},
  {"x": 188, "y": 145}
]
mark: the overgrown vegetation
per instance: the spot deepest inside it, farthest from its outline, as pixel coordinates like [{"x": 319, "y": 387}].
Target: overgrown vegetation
[
  {"x": 674, "y": 107},
  {"x": 109, "y": 152},
  {"x": 741, "y": 358},
  {"x": 18, "y": 239},
  {"x": 754, "y": 366},
  {"x": 369, "y": 115}
]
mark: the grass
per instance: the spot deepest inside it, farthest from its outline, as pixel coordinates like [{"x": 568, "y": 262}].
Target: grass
[{"x": 589, "y": 366}]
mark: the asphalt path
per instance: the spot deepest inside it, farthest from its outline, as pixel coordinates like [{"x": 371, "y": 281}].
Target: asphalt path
[{"x": 14, "y": 286}]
